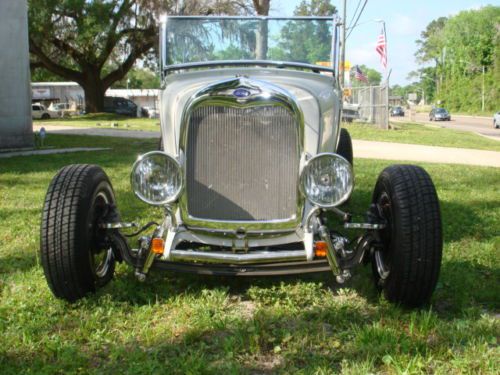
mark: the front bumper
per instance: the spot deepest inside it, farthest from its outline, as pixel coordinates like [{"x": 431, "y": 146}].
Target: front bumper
[
  {"x": 279, "y": 263},
  {"x": 251, "y": 257}
]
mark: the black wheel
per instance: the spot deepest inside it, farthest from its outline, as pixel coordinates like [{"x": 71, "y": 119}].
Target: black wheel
[
  {"x": 75, "y": 255},
  {"x": 45, "y": 116},
  {"x": 344, "y": 147},
  {"x": 495, "y": 124},
  {"x": 406, "y": 268}
]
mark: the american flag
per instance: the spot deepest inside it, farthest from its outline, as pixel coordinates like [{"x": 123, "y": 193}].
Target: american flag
[
  {"x": 359, "y": 75},
  {"x": 382, "y": 49}
]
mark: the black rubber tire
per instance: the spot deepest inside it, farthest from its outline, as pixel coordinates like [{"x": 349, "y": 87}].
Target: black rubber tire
[
  {"x": 412, "y": 240},
  {"x": 45, "y": 116},
  {"x": 77, "y": 197},
  {"x": 344, "y": 148}
]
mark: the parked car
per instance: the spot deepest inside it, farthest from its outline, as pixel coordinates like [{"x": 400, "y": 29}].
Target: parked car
[
  {"x": 397, "y": 111},
  {"x": 151, "y": 112},
  {"x": 350, "y": 112},
  {"x": 120, "y": 106},
  {"x": 253, "y": 158},
  {"x": 63, "y": 109},
  {"x": 59, "y": 106},
  {"x": 39, "y": 111},
  {"x": 439, "y": 114},
  {"x": 496, "y": 120}
]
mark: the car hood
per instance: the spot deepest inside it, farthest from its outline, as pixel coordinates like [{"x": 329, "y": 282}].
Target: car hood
[{"x": 316, "y": 95}]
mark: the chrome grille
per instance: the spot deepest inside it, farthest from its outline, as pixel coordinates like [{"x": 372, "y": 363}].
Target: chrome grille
[{"x": 242, "y": 163}]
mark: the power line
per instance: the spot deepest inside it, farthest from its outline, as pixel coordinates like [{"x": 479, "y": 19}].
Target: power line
[
  {"x": 354, "y": 14},
  {"x": 357, "y": 19}
]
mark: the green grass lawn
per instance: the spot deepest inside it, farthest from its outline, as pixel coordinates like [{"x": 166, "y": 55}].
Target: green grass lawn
[
  {"x": 422, "y": 135},
  {"x": 105, "y": 120},
  {"x": 177, "y": 324}
]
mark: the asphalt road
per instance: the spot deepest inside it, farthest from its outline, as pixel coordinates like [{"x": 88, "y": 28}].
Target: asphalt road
[{"x": 480, "y": 125}]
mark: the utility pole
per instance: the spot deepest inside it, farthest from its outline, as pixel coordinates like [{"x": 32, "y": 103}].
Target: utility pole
[
  {"x": 482, "y": 93},
  {"x": 342, "y": 49}
]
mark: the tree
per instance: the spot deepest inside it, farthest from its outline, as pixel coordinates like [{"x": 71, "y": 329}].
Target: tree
[
  {"x": 462, "y": 51},
  {"x": 138, "y": 79},
  {"x": 315, "y": 8},
  {"x": 262, "y": 9},
  {"x": 96, "y": 42},
  {"x": 432, "y": 41},
  {"x": 76, "y": 39},
  {"x": 306, "y": 41},
  {"x": 374, "y": 77}
]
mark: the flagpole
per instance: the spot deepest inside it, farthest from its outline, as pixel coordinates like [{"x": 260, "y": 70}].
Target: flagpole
[
  {"x": 386, "y": 50},
  {"x": 386, "y": 125}
]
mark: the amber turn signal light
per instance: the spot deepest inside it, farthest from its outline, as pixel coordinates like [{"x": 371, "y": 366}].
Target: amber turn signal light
[
  {"x": 320, "y": 249},
  {"x": 157, "y": 245}
]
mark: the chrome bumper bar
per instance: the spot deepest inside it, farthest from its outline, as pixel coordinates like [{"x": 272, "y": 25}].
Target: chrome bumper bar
[{"x": 238, "y": 258}]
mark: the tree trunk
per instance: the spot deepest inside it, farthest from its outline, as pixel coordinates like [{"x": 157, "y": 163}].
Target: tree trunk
[
  {"x": 261, "y": 41},
  {"x": 262, "y": 9},
  {"x": 94, "y": 97},
  {"x": 94, "y": 93}
]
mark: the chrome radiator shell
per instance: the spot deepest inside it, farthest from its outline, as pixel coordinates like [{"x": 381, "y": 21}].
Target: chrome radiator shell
[{"x": 241, "y": 158}]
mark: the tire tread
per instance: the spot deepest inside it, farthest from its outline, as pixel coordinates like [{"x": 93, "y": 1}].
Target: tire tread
[
  {"x": 63, "y": 261},
  {"x": 416, "y": 266}
]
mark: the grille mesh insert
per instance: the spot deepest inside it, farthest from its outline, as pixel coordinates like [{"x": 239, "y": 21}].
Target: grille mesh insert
[{"x": 242, "y": 163}]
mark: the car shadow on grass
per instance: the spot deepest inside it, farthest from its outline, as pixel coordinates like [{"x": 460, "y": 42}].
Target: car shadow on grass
[{"x": 462, "y": 285}]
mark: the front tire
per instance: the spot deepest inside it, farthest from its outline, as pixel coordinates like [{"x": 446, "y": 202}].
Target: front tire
[
  {"x": 75, "y": 257},
  {"x": 45, "y": 116},
  {"x": 344, "y": 147},
  {"x": 407, "y": 267}
]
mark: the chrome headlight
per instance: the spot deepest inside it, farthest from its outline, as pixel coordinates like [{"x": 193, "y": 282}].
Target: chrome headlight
[
  {"x": 327, "y": 180},
  {"x": 156, "y": 178}
]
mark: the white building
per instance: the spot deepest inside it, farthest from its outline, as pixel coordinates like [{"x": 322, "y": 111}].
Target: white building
[
  {"x": 58, "y": 92},
  {"x": 72, "y": 92}
]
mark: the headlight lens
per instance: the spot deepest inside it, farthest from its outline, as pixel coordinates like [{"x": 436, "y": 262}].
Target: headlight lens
[
  {"x": 327, "y": 180},
  {"x": 156, "y": 178}
]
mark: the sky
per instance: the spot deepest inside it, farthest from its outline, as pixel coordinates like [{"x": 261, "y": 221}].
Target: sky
[{"x": 405, "y": 20}]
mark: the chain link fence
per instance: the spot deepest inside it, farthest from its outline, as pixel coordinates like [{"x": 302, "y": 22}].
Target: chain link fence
[{"x": 372, "y": 103}]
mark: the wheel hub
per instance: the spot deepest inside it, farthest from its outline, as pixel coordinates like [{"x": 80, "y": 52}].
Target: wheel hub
[
  {"x": 101, "y": 255},
  {"x": 381, "y": 255}
]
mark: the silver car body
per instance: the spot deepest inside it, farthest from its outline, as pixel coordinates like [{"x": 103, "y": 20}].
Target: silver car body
[
  {"x": 313, "y": 97},
  {"x": 318, "y": 99}
]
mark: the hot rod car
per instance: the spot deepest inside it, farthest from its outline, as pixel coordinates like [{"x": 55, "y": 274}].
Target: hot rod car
[{"x": 253, "y": 161}]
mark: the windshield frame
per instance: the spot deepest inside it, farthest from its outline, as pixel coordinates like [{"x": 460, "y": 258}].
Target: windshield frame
[{"x": 334, "y": 46}]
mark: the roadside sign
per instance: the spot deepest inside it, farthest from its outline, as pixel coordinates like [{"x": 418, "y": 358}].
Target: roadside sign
[
  {"x": 346, "y": 67},
  {"x": 40, "y": 93}
]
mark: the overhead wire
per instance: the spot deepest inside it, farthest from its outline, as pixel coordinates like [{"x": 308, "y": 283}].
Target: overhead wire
[
  {"x": 354, "y": 14},
  {"x": 357, "y": 19}
]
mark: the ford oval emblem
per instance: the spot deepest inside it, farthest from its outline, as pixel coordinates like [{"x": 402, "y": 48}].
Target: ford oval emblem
[{"x": 241, "y": 93}]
